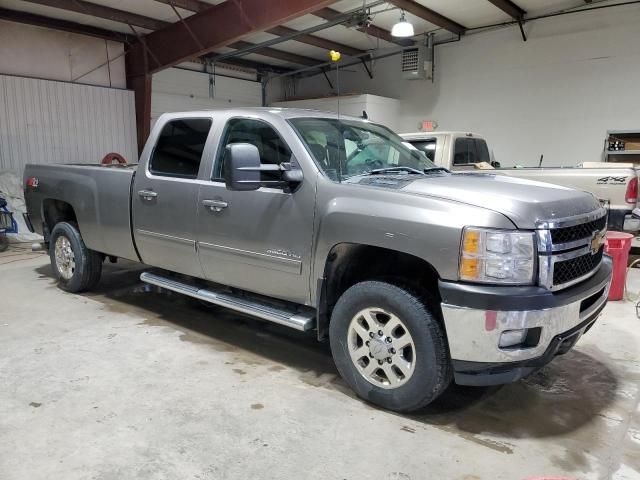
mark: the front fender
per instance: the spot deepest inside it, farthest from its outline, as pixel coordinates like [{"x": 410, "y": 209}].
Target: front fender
[{"x": 425, "y": 227}]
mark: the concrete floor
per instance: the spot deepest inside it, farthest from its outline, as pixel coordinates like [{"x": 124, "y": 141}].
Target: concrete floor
[{"x": 131, "y": 383}]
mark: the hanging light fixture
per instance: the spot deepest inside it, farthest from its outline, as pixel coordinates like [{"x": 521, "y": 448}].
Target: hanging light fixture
[{"x": 402, "y": 28}]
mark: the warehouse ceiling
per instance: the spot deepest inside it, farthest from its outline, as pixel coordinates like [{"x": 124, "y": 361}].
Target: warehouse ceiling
[
  {"x": 127, "y": 20},
  {"x": 290, "y": 37}
]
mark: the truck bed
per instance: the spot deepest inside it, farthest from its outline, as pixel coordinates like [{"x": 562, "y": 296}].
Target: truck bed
[
  {"x": 608, "y": 184},
  {"x": 100, "y": 197}
]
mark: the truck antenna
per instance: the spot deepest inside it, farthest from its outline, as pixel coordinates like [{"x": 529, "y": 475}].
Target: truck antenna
[
  {"x": 335, "y": 58},
  {"x": 338, "y": 86},
  {"x": 540, "y": 162}
]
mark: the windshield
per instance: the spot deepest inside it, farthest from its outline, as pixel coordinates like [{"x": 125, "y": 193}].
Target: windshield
[{"x": 346, "y": 148}]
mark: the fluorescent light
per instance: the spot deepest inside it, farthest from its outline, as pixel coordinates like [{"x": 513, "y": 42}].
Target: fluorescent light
[{"x": 402, "y": 28}]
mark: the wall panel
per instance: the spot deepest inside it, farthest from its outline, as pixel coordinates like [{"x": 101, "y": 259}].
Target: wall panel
[
  {"x": 176, "y": 90},
  {"x": 44, "y": 121}
]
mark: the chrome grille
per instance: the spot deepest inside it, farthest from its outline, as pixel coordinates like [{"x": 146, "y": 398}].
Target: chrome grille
[
  {"x": 570, "y": 250},
  {"x": 568, "y": 270},
  {"x": 577, "y": 232}
]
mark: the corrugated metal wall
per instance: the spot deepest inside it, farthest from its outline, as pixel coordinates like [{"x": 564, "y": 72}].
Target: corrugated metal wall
[
  {"x": 44, "y": 121},
  {"x": 176, "y": 90}
]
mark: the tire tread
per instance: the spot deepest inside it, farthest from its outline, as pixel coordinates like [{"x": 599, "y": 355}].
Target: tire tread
[
  {"x": 429, "y": 326},
  {"x": 90, "y": 260}
]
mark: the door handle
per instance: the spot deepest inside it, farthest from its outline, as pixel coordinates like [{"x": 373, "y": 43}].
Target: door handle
[
  {"x": 215, "y": 205},
  {"x": 147, "y": 194}
]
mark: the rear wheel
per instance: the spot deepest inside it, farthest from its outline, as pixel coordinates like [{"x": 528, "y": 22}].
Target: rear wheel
[
  {"x": 389, "y": 347},
  {"x": 76, "y": 268}
]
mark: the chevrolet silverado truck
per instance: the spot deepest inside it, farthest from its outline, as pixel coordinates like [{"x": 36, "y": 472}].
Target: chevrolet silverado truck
[
  {"x": 616, "y": 186},
  {"x": 314, "y": 221}
]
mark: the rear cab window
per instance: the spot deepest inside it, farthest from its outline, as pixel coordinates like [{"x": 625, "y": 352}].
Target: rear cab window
[
  {"x": 469, "y": 151},
  {"x": 178, "y": 150}
]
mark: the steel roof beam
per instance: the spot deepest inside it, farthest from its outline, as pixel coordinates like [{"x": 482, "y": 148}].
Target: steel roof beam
[
  {"x": 280, "y": 30},
  {"x": 217, "y": 27},
  {"x": 273, "y": 53},
  {"x": 330, "y": 14},
  {"x": 510, "y": 8},
  {"x": 214, "y": 27},
  {"x": 248, "y": 64},
  {"x": 319, "y": 42}
]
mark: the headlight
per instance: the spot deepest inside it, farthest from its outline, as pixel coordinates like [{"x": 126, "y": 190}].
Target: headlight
[{"x": 497, "y": 256}]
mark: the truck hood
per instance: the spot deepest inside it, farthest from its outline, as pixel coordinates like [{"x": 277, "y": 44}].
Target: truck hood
[{"x": 524, "y": 202}]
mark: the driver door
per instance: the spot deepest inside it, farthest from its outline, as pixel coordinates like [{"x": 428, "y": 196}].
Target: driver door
[{"x": 258, "y": 240}]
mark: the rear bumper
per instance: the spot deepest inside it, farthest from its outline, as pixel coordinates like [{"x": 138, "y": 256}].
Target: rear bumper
[
  {"x": 623, "y": 220},
  {"x": 475, "y": 318},
  {"x": 632, "y": 221}
]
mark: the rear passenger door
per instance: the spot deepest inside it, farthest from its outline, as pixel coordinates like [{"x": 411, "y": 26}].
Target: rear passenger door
[
  {"x": 257, "y": 240},
  {"x": 165, "y": 193}
]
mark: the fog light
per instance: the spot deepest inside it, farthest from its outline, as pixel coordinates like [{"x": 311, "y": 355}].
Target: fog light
[{"x": 510, "y": 338}]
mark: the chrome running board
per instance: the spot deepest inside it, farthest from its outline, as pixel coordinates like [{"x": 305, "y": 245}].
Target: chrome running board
[{"x": 301, "y": 320}]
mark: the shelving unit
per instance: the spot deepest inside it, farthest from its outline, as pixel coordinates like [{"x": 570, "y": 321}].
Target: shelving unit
[
  {"x": 623, "y": 152},
  {"x": 628, "y": 155}
]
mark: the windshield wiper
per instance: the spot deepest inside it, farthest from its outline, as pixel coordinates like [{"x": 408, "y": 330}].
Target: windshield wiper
[
  {"x": 379, "y": 171},
  {"x": 435, "y": 169}
]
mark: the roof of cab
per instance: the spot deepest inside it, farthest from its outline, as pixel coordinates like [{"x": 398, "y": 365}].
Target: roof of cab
[
  {"x": 420, "y": 135},
  {"x": 263, "y": 112}
]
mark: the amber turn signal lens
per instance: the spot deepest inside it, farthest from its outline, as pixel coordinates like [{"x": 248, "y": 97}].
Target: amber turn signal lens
[
  {"x": 469, "y": 268},
  {"x": 471, "y": 241}
]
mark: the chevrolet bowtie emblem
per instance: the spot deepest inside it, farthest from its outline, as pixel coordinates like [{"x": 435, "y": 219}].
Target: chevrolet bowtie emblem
[{"x": 596, "y": 242}]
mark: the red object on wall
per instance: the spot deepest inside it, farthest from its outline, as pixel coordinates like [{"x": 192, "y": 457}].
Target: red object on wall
[
  {"x": 617, "y": 246},
  {"x": 113, "y": 159}
]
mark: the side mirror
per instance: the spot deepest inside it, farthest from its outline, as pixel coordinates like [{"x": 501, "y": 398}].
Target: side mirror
[
  {"x": 292, "y": 176},
  {"x": 242, "y": 170},
  {"x": 242, "y": 167}
]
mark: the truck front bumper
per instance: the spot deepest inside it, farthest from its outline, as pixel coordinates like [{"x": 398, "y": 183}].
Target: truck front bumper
[{"x": 476, "y": 317}]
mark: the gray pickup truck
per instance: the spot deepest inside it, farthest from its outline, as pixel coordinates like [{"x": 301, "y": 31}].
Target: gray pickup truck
[{"x": 417, "y": 276}]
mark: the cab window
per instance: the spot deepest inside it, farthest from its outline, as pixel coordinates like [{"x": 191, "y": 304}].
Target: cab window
[
  {"x": 178, "y": 150},
  {"x": 470, "y": 150},
  {"x": 426, "y": 146},
  {"x": 272, "y": 149}
]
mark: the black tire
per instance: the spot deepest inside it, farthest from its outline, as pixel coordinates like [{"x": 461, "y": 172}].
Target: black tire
[
  {"x": 88, "y": 264},
  {"x": 4, "y": 242},
  {"x": 432, "y": 372}
]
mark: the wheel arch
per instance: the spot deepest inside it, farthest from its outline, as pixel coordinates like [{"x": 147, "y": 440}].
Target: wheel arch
[
  {"x": 55, "y": 211},
  {"x": 351, "y": 263}
]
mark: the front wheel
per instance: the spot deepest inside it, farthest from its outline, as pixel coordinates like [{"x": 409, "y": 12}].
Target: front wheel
[
  {"x": 76, "y": 268},
  {"x": 389, "y": 347}
]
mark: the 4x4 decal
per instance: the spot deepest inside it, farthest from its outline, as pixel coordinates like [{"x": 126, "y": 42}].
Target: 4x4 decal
[{"x": 612, "y": 180}]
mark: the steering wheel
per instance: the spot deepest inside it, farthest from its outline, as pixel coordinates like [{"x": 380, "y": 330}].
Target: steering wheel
[{"x": 374, "y": 163}]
